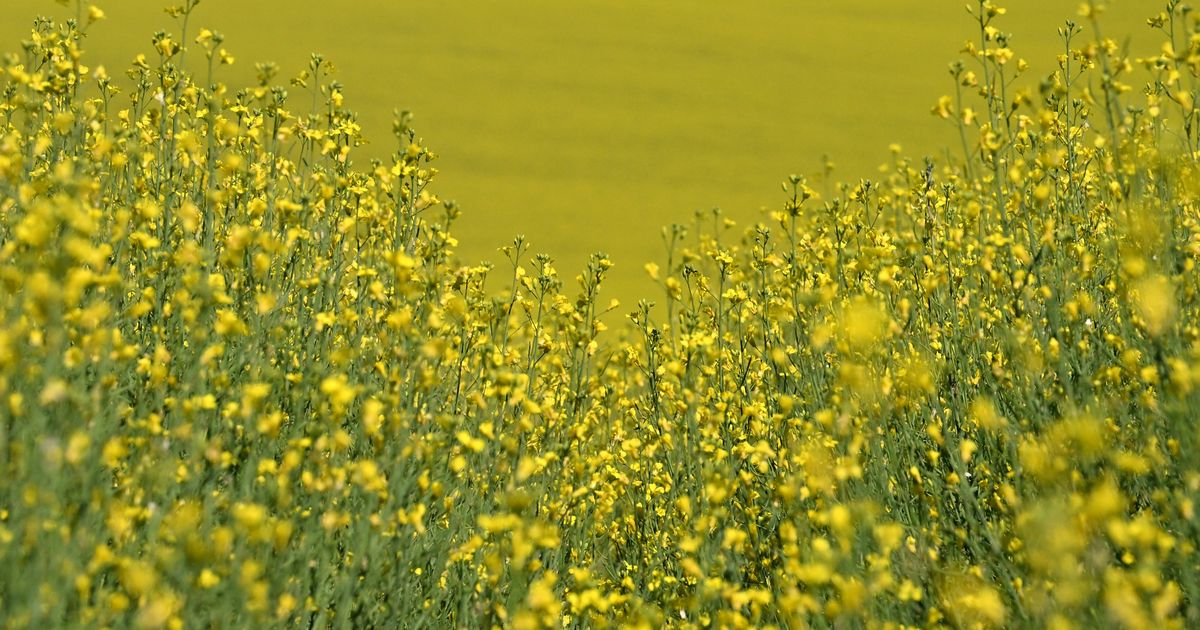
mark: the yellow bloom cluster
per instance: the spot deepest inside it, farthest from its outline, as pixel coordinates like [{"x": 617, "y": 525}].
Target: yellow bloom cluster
[{"x": 245, "y": 380}]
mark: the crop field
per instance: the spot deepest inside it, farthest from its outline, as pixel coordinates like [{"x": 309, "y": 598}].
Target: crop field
[
  {"x": 257, "y": 369},
  {"x": 588, "y": 125}
]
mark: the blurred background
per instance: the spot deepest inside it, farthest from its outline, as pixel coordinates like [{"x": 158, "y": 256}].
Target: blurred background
[{"x": 587, "y": 125}]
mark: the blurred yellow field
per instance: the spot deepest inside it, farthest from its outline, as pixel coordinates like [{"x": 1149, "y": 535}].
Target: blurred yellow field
[{"x": 588, "y": 125}]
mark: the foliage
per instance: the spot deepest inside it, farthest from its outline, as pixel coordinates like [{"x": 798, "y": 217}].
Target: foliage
[{"x": 244, "y": 381}]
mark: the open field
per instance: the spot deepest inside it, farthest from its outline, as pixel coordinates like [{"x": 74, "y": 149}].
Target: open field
[
  {"x": 588, "y": 125},
  {"x": 250, "y": 377}
]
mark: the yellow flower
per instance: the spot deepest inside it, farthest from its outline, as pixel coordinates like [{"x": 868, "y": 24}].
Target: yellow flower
[{"x": 1154, "y": 299}]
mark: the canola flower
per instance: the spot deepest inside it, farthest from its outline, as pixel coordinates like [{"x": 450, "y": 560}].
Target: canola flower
[{"x": 245, "y": 380}]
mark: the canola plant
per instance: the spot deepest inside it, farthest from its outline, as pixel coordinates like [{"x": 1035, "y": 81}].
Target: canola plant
[{"x": 246, "y": 381}]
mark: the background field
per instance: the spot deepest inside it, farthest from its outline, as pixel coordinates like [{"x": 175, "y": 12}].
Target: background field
[{"x": 587, "y": 125}]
